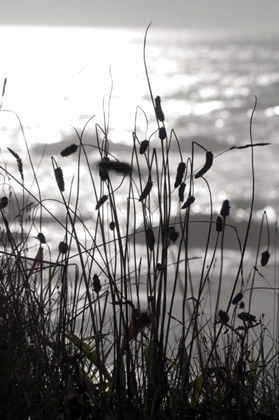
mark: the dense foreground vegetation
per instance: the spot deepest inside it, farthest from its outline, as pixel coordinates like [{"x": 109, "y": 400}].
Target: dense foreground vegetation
[{"x": 115, "y": 324}]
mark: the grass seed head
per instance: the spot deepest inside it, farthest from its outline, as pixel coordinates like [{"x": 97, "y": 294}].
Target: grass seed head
[
  {"x": 19, "y": 162},
  {"x": 237, "y": 298},
  {"x": 172, "y": 234},
  {"x": 41, "y": 238},
  {"x": 224, "y": 317},
  {"x": 158, "y": 109},
  {"x": 102, "y": 200},
  {"x": 63, "y": 248},
  {"x": 103, "y": 172},
  {"x": 225, "y": 210},
  {"x": 188, "y": 202},
  {"x": 162, "y": 133},
  {"x": 96, "y": 284},
  {"x": 69, "y": 150},
  {"x": 265, "y": 258},
  {"x": 3, "y": 203},
  {"x": 143, "y": 146},
  {"x": 143, "y": 320},
  {"x": 219, "y": 224},
  {"x": 181, "y": 190},
  {"x": 150, "y": 239},
  {"x": 112, "y": 225},
  {"x": 116, "y": 166},
  {"x": 179, "y": 174},
  {"x": 146, "y": 190},
  {"x": 207, "y": 165},
  {"x": 59, "y": 179}
]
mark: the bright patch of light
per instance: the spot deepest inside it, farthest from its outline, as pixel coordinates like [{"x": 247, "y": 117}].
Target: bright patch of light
[
  {"x": 207, "y": 93},
  {"x": 196, "y": 208},
  {"x": 177, "y": 107},
  {"x": 231, "y": 140},
  {"x": 219, "y": 123},
  {"x": 206, "y": 107},
  {"x": 270, "y": 112},
  {"x": 270, "y": 212},
  {"x": 240, "y": 215},
  {"x": 224, "y": 113}
]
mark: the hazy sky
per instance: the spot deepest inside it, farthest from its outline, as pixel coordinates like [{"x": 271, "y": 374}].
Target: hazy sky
[{"x": 255, "y": 15}]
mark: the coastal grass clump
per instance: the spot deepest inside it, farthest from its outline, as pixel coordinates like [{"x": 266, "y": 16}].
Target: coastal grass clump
[{"x": 116, "y": 321}]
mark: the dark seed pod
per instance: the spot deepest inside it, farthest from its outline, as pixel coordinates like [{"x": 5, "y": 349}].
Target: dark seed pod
[
  {"x": 143, "y": 146},
  {"x": 112, "y": 225},
  {"x": 158, "y": 109},
  {"x": 69, "y": 150},
  {"x": 162, "y": 133},
  {"x": 103, "y": 173},
  {"x": 242, "y": 305},
  {"x": 172, "y": 234},
  {"x": 245, "y": 316},
  {"x": 207, "y": 165},
  {"x": 219, "y": 224},
  {"x": 179, "y": 174},
  {"x": 41, "y": 238},
  {"x": 63, "y": 248},
  {"x": 3, "y": 203},
  {"x": 237, "y": 298},
  {"x": 146, "y": 190},
  {"x": 181, "y": 190},
  {"x": 265, "y": 258},
  {"x": 188, "y": 202},
  {"x": 224, "y": 317},
  {"x": 102, "y": 200},
  {"x": 143, "y": 320},
  {"x": 159, "y": 267},
  {"x": 96, "y": 284},
  {"x": 225, "y": 210},
  {"x": 150, "y": 239},
  {"x": 59, "y": 179},
  {"x": 120, "y": 167}
]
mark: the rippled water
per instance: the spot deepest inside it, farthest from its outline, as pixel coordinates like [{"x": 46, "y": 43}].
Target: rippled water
[{"x": 59, "y": 78}]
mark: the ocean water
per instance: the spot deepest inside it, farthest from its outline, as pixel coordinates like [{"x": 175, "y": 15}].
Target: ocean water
[{"x": 58, "y": 78}]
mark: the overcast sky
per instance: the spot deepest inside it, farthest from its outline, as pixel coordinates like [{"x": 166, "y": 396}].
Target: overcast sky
[{"x": 253, "y": 15}]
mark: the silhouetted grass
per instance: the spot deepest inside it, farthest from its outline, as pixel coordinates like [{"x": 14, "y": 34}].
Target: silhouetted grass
[{"x": 102, "y": 328}]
